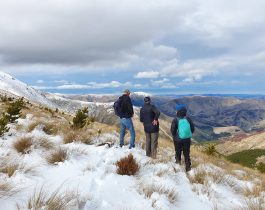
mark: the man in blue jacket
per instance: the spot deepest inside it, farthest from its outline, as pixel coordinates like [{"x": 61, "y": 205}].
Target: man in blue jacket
[
  {"x": 149, "y": 115},
  {"x": 126, "y": 114}
]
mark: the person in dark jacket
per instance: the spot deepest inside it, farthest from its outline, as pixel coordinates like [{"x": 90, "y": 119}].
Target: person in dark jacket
[
  {"x": 149, "y": 115},
  {"x": 182, "y": 144},
  {"x": 126, "y": 118}
]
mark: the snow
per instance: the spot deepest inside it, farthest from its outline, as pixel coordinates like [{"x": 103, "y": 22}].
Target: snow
[
  {"x": 18, "y": 88},
  {"x": 91, "y": 172},
  {"x": 144, "y": 94}
]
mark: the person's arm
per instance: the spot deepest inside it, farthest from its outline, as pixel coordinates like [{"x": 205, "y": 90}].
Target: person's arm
[
  {"x": 156, "y": 111},
  {"x": 174, "y": 128},
  {"x": 192, "y": 127},
  {"x": 130, "y": 106},
  {"x": 141, "y": 115}
]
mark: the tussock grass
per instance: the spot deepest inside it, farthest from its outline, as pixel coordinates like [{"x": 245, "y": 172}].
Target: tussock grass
[
  {"x": 253, "y": 204},
  {"x": 73, "y": 135},
  {"x": 127, "y": 166},
  {"x": 199, "y": 177},
  {"x": 23, "y": 145},
  {"x": 6, "y": 189},
  {"x": 9, "y": 169},
  {"x": 58, "y": 155},
  {"x": 149, "y": 189},
  {"x": 45, "y": 143},
  {"x": 55, "y": 201}
]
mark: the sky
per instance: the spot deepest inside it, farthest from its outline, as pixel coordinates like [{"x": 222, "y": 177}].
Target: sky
[{"x": 155, "y": 46}]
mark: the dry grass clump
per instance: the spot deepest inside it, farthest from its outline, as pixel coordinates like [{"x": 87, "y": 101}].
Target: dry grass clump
[
  {"x": 33, "y": 125},
  {"x": 127, "y": 166},
  {"x": 6, "y": 189},
  {"x": 50, "y": 128},
  {"x": 169, "y": 192},
  {"x": 59, "y": 155},
  {"x": 77, "y": 135},
  {"x": 23, "y": 145},
  {"x": 9, "y": 169},
  {"x": 254, "y": 204},
  {"x": 55, "y": 201},
  {"x": 199, "y": 177},
  {"x": 45, "y": 143}
]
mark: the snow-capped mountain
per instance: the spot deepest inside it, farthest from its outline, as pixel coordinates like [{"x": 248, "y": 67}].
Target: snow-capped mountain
[
  {"x": 99, "y": 111},
  {"x": 11, "y": 85}
]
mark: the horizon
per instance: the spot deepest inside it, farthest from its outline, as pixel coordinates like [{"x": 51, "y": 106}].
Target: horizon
[{"x": 160, "y": 47}]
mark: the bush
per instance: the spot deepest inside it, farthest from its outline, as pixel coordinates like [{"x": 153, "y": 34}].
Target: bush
[
  {"x": 9, "y": 169},
  {"x": 210, "y": 150},
  {"x": 3, "y": 125},
  {"x": 57, "y": 156},
  {"x": 79, "y": 121},
  {"x": 127, "y": 166},
  {"x": 14, "y": 109},
  {"x": 23, "y": 145},
  {"x": 261, "y": 167},
  {"x": 246, "y": 158}
]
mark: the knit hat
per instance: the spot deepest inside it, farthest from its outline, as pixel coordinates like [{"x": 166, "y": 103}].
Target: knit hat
[
  {"x": 147, "y": 99},
  {"x": 126, "y": 91},
  {"x": 180, "y": 106}
]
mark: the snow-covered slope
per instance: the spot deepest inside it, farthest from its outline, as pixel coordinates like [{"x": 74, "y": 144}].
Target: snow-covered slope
[
  {"x": 89, "y": 174},
  {"x": 18, "y": 88}
]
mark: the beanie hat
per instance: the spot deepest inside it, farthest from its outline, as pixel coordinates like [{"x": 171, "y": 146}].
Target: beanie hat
[
  {"x": 180, "y": 106},
  {"x": 126, "y": 91},
  {"x": 147, "y": 99}
]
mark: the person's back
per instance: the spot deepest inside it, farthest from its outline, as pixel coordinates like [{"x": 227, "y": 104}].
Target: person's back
[
  {"x": 149, "y": 115},
  {"x": 182, "y": 128},
  {"x": 126, "y": 107},
  {"x": 126, "y": 113}
]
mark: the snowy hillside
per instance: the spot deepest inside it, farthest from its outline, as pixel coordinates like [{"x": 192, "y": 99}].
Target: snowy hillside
[
  {"x": 18, "y": 88},
  {"x": 85, "y": 177}
]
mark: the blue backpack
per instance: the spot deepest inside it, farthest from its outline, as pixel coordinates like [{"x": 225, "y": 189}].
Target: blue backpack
[{"x": 184, "y": 130}]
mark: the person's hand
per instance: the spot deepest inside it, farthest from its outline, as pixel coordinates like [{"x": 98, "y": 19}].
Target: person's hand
[{"x": 155, "y": 122}]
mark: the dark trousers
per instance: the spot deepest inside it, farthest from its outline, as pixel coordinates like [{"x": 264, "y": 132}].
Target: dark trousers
[
  {"x": 183, "y": 145},
  {"x": 151, "y": 144}
]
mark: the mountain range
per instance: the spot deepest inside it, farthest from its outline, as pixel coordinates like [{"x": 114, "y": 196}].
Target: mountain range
[{"x": 214, "y": 116}]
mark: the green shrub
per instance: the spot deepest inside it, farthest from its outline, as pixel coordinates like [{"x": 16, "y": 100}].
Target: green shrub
[
  {"x": 80, "y": 119},
  {"x": 3, "y": 125},
  {"x": 210, "y": 150},
  {"x": 13, "y": 110},
  {"x": 261, "y": 167},
  {"x": 246, "y": 158}
]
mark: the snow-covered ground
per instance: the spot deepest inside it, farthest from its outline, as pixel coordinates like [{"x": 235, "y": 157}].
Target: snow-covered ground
[
  {"x": 16, "y": 87},
  {"x": 90, "y": 172}
]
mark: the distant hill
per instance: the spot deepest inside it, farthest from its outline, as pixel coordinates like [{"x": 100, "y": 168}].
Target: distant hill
[
  {"x": 208, "y": 112},
  {"x": 214, "y": 116}
]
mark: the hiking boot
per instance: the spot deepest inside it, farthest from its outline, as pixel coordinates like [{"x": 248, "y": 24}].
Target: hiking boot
[
  {"x": 188, "y": 168},
  {"x": 178, "y": 162}
]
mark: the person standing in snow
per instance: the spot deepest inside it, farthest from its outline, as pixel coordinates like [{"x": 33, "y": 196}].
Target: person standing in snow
[
  {"x": 126, "y": 114},
  {"x": 182, "y": 129},
  {"x": 149, "y": 115}
]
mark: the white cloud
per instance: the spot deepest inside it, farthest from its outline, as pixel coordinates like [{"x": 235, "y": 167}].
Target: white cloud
[
  {"x": 40, "y": 81},
  {"x": 147, "y": 75},
  {"x": 91, "y": 85},
  {"x": 55, "y": 37}
]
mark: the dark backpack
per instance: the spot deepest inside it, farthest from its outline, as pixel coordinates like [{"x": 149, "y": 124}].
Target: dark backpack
[{"x": 117, "y": 107}]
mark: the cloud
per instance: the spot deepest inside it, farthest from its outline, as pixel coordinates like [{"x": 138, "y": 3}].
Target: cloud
[
  {"x": 147, "y": 75},
  {"x": 40, "y": 81},
  {"x": 91, "y": 85},
  {"x": 185, "y": 41}
]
